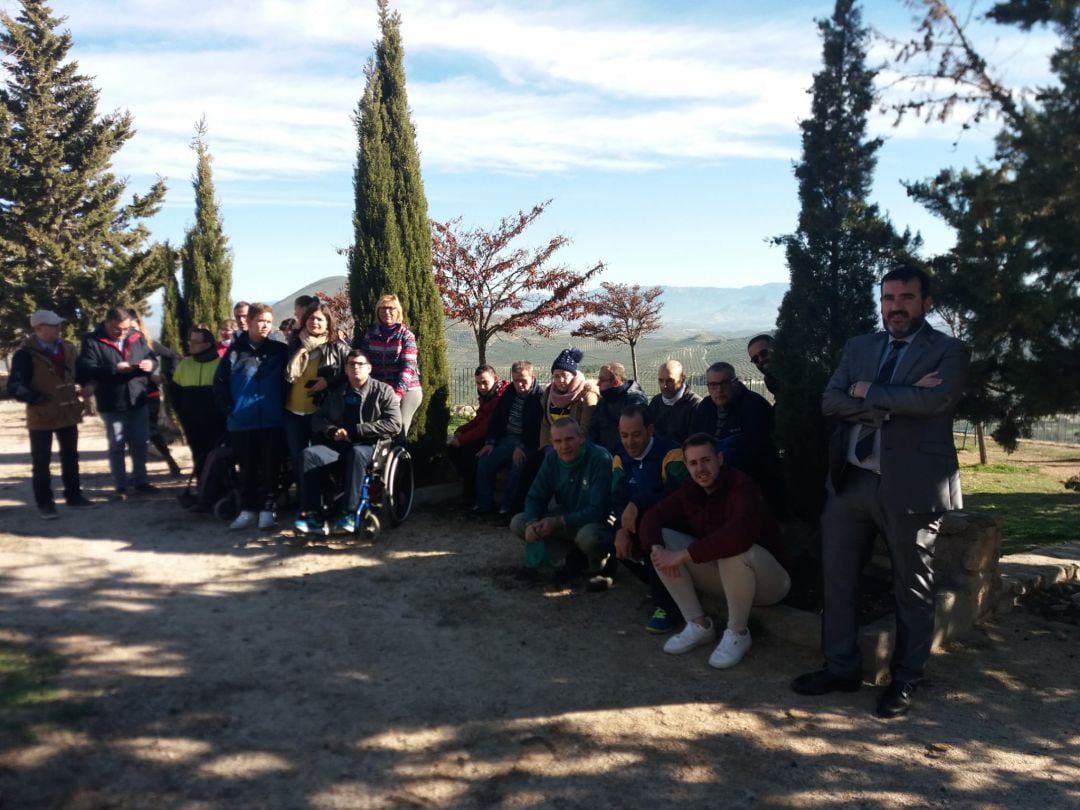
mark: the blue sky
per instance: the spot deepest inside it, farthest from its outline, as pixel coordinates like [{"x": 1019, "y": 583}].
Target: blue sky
[{"x": 665, "y": 132}]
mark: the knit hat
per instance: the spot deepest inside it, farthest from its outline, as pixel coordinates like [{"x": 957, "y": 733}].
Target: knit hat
[{"x": 568, "y": 360}]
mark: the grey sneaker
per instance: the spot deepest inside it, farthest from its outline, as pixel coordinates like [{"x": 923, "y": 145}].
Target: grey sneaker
[
  {"x": 245, "y": 520},
  {"x": 266, "y": 520}
]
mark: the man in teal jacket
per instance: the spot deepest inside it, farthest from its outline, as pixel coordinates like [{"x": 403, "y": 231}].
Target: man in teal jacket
[{"x": 578, "y": 476}]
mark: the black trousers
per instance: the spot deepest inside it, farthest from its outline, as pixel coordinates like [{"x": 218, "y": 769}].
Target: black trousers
[
  {"x": 464, "y": 460},
  {"x": 258, "y": 455},
  {"x": 41, "y": 458}
]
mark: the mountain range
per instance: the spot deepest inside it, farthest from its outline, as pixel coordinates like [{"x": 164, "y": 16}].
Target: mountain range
[{"x": 715, "y": 311}]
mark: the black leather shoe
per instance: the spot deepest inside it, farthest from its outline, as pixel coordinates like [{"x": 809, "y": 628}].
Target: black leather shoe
[
  {"x": 822, "y": 682},
  {"x": 897, "y": 699}
]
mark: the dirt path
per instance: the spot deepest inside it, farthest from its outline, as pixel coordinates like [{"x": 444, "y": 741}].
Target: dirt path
[{"x": 205, "y": 670}]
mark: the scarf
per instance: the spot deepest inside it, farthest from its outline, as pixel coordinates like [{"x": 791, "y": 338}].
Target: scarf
[
  {"x": 676, "y": 398},
  {"x": 299, "y": 361},
  {"x": 576, "y": 389}
]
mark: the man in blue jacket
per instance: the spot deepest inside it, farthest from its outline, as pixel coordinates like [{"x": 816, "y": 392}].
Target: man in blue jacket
[
  {"x": 249, "y": 385},
  {"x": 647, "y": 467},
  {"x": 578, "y": 476}
]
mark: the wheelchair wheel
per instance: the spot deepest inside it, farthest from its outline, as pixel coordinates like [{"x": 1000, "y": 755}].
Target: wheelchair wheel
[
  {"x": 397, "y": 494},
  {"x": 369, "y": 526},
  {"x": 227, "y": 508}
]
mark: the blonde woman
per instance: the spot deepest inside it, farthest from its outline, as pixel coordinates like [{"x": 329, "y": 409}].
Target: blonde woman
[{"x": 391, "y": 348}]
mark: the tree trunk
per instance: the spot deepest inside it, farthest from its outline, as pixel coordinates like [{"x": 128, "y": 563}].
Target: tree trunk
[
  {"x": 481, "y": 351},
  {"x": 980, "y": 437},
  {"x": 633, "y": 359}
]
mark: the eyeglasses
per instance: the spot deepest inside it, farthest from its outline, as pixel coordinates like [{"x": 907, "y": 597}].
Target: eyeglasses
[
  {"x": 358, "y": 363},
  {"x": 722, "y": 384}
]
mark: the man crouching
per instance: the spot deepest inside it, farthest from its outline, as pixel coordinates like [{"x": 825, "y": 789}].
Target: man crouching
[
  {"x": 715, "y": 536},
  {"x": 578, "y": 476}
]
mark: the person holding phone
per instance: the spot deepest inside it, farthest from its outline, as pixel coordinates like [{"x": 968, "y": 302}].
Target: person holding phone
[{"x": 316, "y": 364}]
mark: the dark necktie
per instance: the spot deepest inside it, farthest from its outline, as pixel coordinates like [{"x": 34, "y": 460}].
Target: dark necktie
[{"x": 865, "y": 445}]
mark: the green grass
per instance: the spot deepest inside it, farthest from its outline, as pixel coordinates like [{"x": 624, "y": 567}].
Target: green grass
[
  {"x": 30, "y": 703},
  {"x": 1025, "y": 492},
  {"x": 26, "y": 676}
]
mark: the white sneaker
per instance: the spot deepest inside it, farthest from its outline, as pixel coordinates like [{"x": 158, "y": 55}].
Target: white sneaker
[
  {"x": 245, "y": 520},
  {"x": 693, "y": 635},
  {"x": 266, "y": 520},
  {"x": 731, "y": 649}
]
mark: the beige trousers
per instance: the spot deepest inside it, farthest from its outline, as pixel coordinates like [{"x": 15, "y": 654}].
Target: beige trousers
[{"x": 751, "y": 578}]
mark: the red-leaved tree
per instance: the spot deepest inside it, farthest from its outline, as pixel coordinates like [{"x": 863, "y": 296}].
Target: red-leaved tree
[
  {"x": 340, "y": 307},
  {"x": 624, "y": 314},
  {"x": 497, "y": 288}
]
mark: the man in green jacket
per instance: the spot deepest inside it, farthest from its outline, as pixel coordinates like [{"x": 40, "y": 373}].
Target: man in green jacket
[{"x": 578, "y": 476}]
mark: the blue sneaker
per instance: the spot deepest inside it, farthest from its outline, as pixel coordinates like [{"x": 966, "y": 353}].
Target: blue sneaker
[
  {"x": 346, "y": 524},
  {"x": 660, "y": 622},
  {"x": 310, "y": 525}
]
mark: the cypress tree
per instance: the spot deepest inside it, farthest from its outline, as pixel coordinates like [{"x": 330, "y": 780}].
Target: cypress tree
[
  {"x": 840, "y": 248},
  {"x": 66, "y": 241},
  {"x": 392, "y": 245},
  {"x": 205, "y": 259},
  {"x": 172, "y": 307}
]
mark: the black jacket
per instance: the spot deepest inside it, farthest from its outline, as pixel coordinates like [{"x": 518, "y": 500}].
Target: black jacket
[
  {"x": 331, "y": 357},
  {"x": 531, "y": 415},
  {"x": 604, "y": 428},
  {"x": 114, "y": 390},
  {"x": 379, "y": 415}
]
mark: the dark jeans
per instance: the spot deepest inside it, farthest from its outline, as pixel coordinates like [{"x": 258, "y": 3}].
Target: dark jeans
[
  {"x": 298, "y": 436},
  {"x": 258, "y": 455},
  {"x": 41, "y": 457},
  {"x": 661, "y": 596},
  {"x": 352, "y": 459}
]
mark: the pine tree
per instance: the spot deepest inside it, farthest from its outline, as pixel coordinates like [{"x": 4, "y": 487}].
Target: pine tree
[
  {"x": 392, "y": 246},
  {"x": 205, "y": 258},
  {"x": 835, "y": 256},
  {"x": 66, "y": 241},
  {"x": 1011, "y": 282}
]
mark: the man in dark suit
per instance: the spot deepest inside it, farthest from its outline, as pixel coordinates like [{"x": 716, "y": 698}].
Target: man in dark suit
[{"x": 893, "y": 471}]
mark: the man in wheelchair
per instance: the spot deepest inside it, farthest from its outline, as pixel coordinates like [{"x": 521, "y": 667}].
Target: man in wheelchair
[{"x": 348, "y": 426}]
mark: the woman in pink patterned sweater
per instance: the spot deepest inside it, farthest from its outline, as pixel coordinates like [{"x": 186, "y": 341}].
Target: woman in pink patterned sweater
[{"x": 391, "y": 348}]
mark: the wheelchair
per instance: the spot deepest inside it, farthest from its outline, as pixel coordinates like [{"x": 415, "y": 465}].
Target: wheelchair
[{"x": 386, "y": 493}]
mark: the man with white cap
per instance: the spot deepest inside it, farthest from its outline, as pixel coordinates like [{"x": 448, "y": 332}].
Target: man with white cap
[{"x": 43, "y": 376}]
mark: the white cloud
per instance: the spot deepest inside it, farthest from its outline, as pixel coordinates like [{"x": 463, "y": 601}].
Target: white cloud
[
  {"x": 529, "y": 90},
  {"x": 512, "y": 87}
]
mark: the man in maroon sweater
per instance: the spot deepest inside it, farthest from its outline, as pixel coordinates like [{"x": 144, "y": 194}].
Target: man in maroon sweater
[
  {"x": 462, "y": 447},
  {"x": 715, "y": 535}
]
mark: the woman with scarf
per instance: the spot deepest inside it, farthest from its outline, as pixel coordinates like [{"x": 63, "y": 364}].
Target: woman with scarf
[
  {"x": 316, "y": 363},
  {"x": 391, "y": 348},
  {"x": 568, "y": 395}
]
